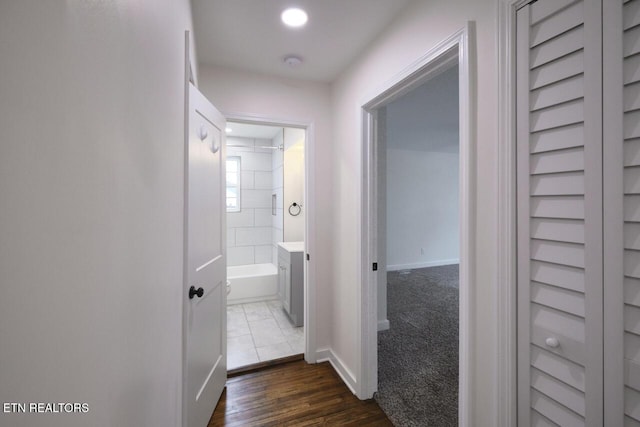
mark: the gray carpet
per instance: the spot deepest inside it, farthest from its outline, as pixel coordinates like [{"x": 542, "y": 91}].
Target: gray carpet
[{"x": 418, "y": 356}]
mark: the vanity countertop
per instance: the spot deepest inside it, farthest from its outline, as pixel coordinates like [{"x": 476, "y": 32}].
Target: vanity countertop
[{"x": 292, "y": 246}]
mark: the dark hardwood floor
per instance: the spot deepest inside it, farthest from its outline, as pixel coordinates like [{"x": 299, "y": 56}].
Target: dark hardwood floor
[{"x": 294, "y": 394}]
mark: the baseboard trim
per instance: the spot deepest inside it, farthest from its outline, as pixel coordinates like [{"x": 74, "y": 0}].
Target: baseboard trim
[
  {"x": 327, "y": 355},
  {"x": 438, "y": 263},
  {"x": 383, "y": 325}
]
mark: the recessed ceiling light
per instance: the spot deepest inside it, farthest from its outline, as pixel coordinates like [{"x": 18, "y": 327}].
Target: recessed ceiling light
[
  {"x": 292, "y": 60},
  {"x": 228, "y": 130},
  {"x": 294, "y": 17}
]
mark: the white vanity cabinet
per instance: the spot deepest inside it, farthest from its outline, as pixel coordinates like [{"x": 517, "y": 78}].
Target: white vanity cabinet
[{"x": 291, "y": 279}]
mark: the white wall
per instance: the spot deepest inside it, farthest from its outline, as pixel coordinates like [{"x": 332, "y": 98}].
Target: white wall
[
  {"x": 422, "y": 209},
  {"x": 417, "y": 29},
  {"x": 422, "y": 175},
  {"x": 247, "y": 93},
  {"x": 91, "y": 225},
  {"x": 294, "y": 184},
  {"x": 249, "y": 232}
]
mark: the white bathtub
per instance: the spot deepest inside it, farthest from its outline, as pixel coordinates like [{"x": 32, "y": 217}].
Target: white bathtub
[{"x": 252, "y": 283}]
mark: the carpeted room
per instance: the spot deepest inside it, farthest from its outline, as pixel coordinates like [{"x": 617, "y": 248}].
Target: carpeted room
[
  {"x": 418, "y": 178},
  {"x": 418, "y": 355}
]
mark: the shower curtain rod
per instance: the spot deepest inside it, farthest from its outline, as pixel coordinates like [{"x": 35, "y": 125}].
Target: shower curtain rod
[{"x": 257, "y": 146}]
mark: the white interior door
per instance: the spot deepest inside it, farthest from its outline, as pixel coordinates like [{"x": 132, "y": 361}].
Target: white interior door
[
  {"x": 205, "y": 261},
  {"x": 587, "y": 53},
  {"x": 559, "y": 204}
]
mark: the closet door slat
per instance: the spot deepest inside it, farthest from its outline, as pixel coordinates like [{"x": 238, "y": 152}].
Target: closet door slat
[
  {"x": 558, "y": 367},
  {"x": 632, "y": 180},
  {"x": 631, "y": 152},
  {"x": 632, "y": 347},
  {"x": 558, "y": 138},
  {"x": 558, "y": 184},
  {"x": 632, "y": 403},
  {"x": 631, "y": 126},
  {"x": 563, "y": 253},
  {"x": 632, "y": 236},
  {"x": 632, "y": 207},
  {"x": 563, "y": 91},
  {"x": 632, "y": 374},
  {"x": 554, "y": 411},
  {"x": 631, "y": 69},
  {"x": 632, "y": 97},
  {"x": 546, "y": 9},
  {"x": 631, "y": 288},
  {"x": 632, "y": 319},
  {"x": 558, "y": 391},
  {"x": 558, "y": 298},
  {"x": 560, "y": 69},
  {"x": 567, "y": 160},
  {"x": 558, "y": 115},
  {"x": 568, "y": 207},
  {"x": 561, "y": 230},
  {"x": 631, "y": 41},
  {"x": 632, "y": 263},
  {"x": 558, "y": 275},
  {"x": 563, "y": 44},
  {"x": 538, "y": 420},
  {"x": 557, "y": 24},
  {"x": 631, "y": 14}
]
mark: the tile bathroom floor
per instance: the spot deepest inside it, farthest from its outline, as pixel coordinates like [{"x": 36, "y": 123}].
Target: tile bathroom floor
[{"x": 260, "y": 331}]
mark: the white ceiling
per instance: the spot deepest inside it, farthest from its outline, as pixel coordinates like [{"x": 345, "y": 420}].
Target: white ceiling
[{"x": 248, "y": 34}]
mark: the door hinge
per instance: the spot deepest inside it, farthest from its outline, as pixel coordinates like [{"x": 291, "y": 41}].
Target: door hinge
[
  {"x": 375, "y": 266},
  {"x": 529, "y": 3}
]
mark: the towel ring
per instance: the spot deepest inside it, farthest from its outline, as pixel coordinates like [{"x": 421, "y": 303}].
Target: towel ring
[{"x": 293, "y": 207}]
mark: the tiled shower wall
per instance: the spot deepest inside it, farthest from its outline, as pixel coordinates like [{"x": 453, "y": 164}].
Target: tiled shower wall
[
  {"x": 277, "y": 164},
  {"x": 250, "y": 231}
]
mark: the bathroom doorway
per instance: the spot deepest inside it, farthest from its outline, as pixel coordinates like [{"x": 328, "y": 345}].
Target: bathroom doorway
[{"x": 266, "y": 224}]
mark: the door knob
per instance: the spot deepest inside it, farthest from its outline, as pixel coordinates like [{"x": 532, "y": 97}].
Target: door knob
[
  {"x": 193, "y": 292},
  {"x": 552, "y": 342}
]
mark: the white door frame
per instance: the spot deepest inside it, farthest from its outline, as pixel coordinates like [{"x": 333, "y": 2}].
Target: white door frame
[
  {"x": 458, "y": 47},
  {"x": 506, "y": 319},
  {"x": 310, "y": 218}
]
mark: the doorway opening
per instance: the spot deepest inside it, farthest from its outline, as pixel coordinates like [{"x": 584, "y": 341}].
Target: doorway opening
[
  {"x": 418, "y": 234},
  {"x": 266, "y": 225},
  {"x": 453, "y": 55}
]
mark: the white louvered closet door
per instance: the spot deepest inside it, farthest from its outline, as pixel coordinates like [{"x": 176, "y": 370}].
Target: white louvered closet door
[
  {"x": 631, "y": 216},
  {"x": 621, "y": 47},
  {"x": 559, "y": 205}
]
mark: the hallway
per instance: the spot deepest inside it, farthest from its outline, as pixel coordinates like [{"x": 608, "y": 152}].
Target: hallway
[{"x": 294, "y": 393}]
